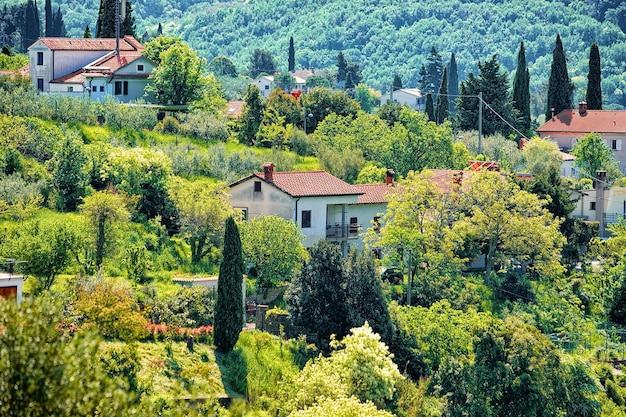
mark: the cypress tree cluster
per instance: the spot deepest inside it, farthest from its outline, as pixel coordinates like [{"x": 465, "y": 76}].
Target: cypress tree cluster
[
  {"x": 443, "y": 104},
  {"x": 229, "y": 308},
  {"x": 453, "y": 83}
]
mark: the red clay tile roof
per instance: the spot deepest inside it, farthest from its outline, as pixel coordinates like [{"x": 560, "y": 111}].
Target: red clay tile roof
[
  {"x": 597, "y": 121},
  {"x": 309, "y": 184},
  {"x": 127, "y": 43},
  {"x": 374, "y": 193},
  {"x": 445, "y": 178},
  {"x": 234, "y": 108},
  {"x": 105, "y": 67}
]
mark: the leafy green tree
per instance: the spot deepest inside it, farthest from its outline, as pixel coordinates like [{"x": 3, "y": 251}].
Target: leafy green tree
[
  {"x": 69, "y": 177},
  {"x": 430, "y": 107},
  {"x": 453, "y": 83},
  {"x": 252, "y": 115},
  {"x": 285, "y": 81},
  {"x": 344, "y": 407},
  {"x": 363, "y": 96},
  {"x": 203, "y": 209},
  {"x": 359, "y": 366},
  {"x": 320, "y": 102},
  {"x": 273, "y": 246},
  {"x": 592, "y": 155},
  {"x": 503, "y": 220},
  {"x": 222, "y": 66},
  {"x": 229, "y": 307},
  {"x": 11, "y": 162},
  {"x": 560, "y": 88},
  {"x": 521, "y": 91},
  {"x": 261, "y": 62},
  {"x": 158, "y": 45},
  {"x": 541, "y": 155},
  {"x": 443, "y": 104},
  {"x": 317, "y": 81},
  {"x": 49, "y": 247},
  {"x": 291, "y": 65},
  {"x": 430, "y": 73},
  {"x": 493, "y": 82},
  {"x": 55, "y": 378},
  {"x": 169, "y": 86},
  {"x": 285, "y": 105},
  {"x": 594, "y": 78},
  {"x": 345, "y": 164},
  {"x": 317, "y": 295},
  {"x": 104, "y": 211},
  {"x": 390, "y": 112}
]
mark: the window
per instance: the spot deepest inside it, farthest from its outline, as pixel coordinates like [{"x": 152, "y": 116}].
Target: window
[
  {"x": 39, "y": 58},
  {"x": 616, "y": 145},
  {"x": 257, "y": 186},
  {"x": 592, "y": 205},
  {"x": 267, "y": 87},
  {"x": 70, "y": 89},
  {"x": 244, "y": 212},
  {"x": 139, "y": 67},
  {"x": 306, "y": 218},
  {"x": 102, "y": 89},
  {"x": 354, "y": 225},
  {"x": 40, "y": 84},
  {"x": 121, "y": 88}
]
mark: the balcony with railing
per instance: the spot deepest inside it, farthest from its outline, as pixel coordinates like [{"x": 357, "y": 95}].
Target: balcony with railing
[{"x": 339, "y": 231}]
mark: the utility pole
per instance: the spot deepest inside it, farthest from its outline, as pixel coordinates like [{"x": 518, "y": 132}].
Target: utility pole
[{"x": 480, "y": 123}]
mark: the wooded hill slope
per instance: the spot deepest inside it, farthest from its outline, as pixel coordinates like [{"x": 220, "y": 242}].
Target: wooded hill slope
[{"x": 393, "y": 36}]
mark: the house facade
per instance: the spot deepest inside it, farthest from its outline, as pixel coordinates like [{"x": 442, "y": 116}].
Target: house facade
[
  {"x": 569, "y": 125},
  {"x": 323, "y": 206},
  {"x": 266, "y": 82},
  {"x": 11, "y": 284},
  {"x": 411, "y": 97},
  {"x": 90, "y": 68}
]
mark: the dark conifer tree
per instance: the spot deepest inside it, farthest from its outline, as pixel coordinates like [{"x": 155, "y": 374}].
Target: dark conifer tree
[
  {"x": 252, "y": 115},
  {"x": 430, "y": 74},
  {"x": 87, "y": 33},
  {"x": 342, "y": 67},
  {"x": 159, "y": 30},
  {"x": 106, "y": 24},
  {"x": 560, "y": 88},
  {"x": 443, "y": 104},
  {"x": 397, "y": 82},
  {"x": 349, "y": 85},
  {"x": 31, "y": 24},
  {"x": 128, "y": 25},
  {"x": 58, "y": 25},
  {"x": 430, "y": 107},
  {"x": 49, "y": 18},
  {"x": 594, "y": 79},
  {"x": 521, "y": 91},
  {"x": 292, "y": 56},
  {"x": 229, "y": 307},
  {"x": 453, "y": 83}
]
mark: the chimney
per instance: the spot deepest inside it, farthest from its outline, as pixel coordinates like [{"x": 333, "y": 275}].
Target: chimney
[
  {"x": 552, "y": 110},
  {"x": 582, "y": 108},
  {"x": 390, "y": 174},
  {"x": 268, "y": 171}
]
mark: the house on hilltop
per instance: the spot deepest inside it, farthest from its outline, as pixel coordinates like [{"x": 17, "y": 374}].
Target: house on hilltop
[
  {"x": 266, "y": 82},
  {"x": 90, "y": 67},
  {"x": 569, "y": 125},
  {"x": 411, "y": 97}
]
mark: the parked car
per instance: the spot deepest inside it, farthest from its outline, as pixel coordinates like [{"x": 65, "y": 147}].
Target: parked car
[{"x": 392, "y": 274}]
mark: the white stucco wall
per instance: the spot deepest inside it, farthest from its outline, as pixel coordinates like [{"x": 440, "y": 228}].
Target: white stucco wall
[{"x": 7, "y": 280}]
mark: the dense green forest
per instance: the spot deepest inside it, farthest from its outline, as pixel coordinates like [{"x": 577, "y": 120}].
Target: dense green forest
[{"x": 393, "y": 37}]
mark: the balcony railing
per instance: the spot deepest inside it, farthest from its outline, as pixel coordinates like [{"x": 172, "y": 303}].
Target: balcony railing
[
  {"x": 338, "y": 231},
  {"x": 610, "y": 218}
]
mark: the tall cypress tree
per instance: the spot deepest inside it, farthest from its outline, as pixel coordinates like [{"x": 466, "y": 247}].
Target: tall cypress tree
[
  {"x": 49, "y": 18},
  {"x": 443, "y": 104},
  {"x": 229, "y": 307},
  {"x": 397, "y": 82},
  {"x": 594, "y": 83},
  {"x": 430, "y": 107},
  {"x": 430, "y": 74},
  {"x": 105, "y": 26},
  {"x": 560, "y": 88},
  {"x": 453, "y": 82},
  {"x": 521, "y": 91},
  {"x": 342, "y": 67},
  {"x": 58, "y": 25},
  {"x": 87, "y": 33},
  {"x": 292, "y": 56}
]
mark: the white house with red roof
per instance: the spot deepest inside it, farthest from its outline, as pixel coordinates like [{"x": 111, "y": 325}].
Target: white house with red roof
[
  {"x": 319, "y": 203},
  {"x": 569, "y": 125},
  {"x": 90, "y": 67}
]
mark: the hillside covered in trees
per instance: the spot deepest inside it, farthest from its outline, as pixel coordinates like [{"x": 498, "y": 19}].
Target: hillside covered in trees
[{"x": 389, "y": 37}]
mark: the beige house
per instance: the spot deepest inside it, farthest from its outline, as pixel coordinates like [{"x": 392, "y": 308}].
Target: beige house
[
  {"x": 569, "y": 125},
  {"x": 90, "y": 67},
  {"x": 411, "y": 97}
]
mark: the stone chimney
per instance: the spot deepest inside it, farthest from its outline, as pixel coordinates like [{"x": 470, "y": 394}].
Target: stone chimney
[
  {"x": 582, "y": 108},
  {"x": 390, "y": 175},
  {"x": 268, "y": 171}
]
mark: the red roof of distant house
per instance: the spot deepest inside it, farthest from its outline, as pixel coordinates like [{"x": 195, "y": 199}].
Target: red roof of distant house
[
  {"x": 234, "y": 108},
  {"x": 127, "y": 43},
  {"x": 486, "y": 165},
  {"x": 306, "y": 183},
  {"x": 571, "y": 121},
  {"x": 374, "y": 193},
  {"x": 446, "y": 179}
]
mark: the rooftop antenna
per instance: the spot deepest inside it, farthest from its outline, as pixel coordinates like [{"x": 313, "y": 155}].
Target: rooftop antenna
[{"x": 120, "y": 15}]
